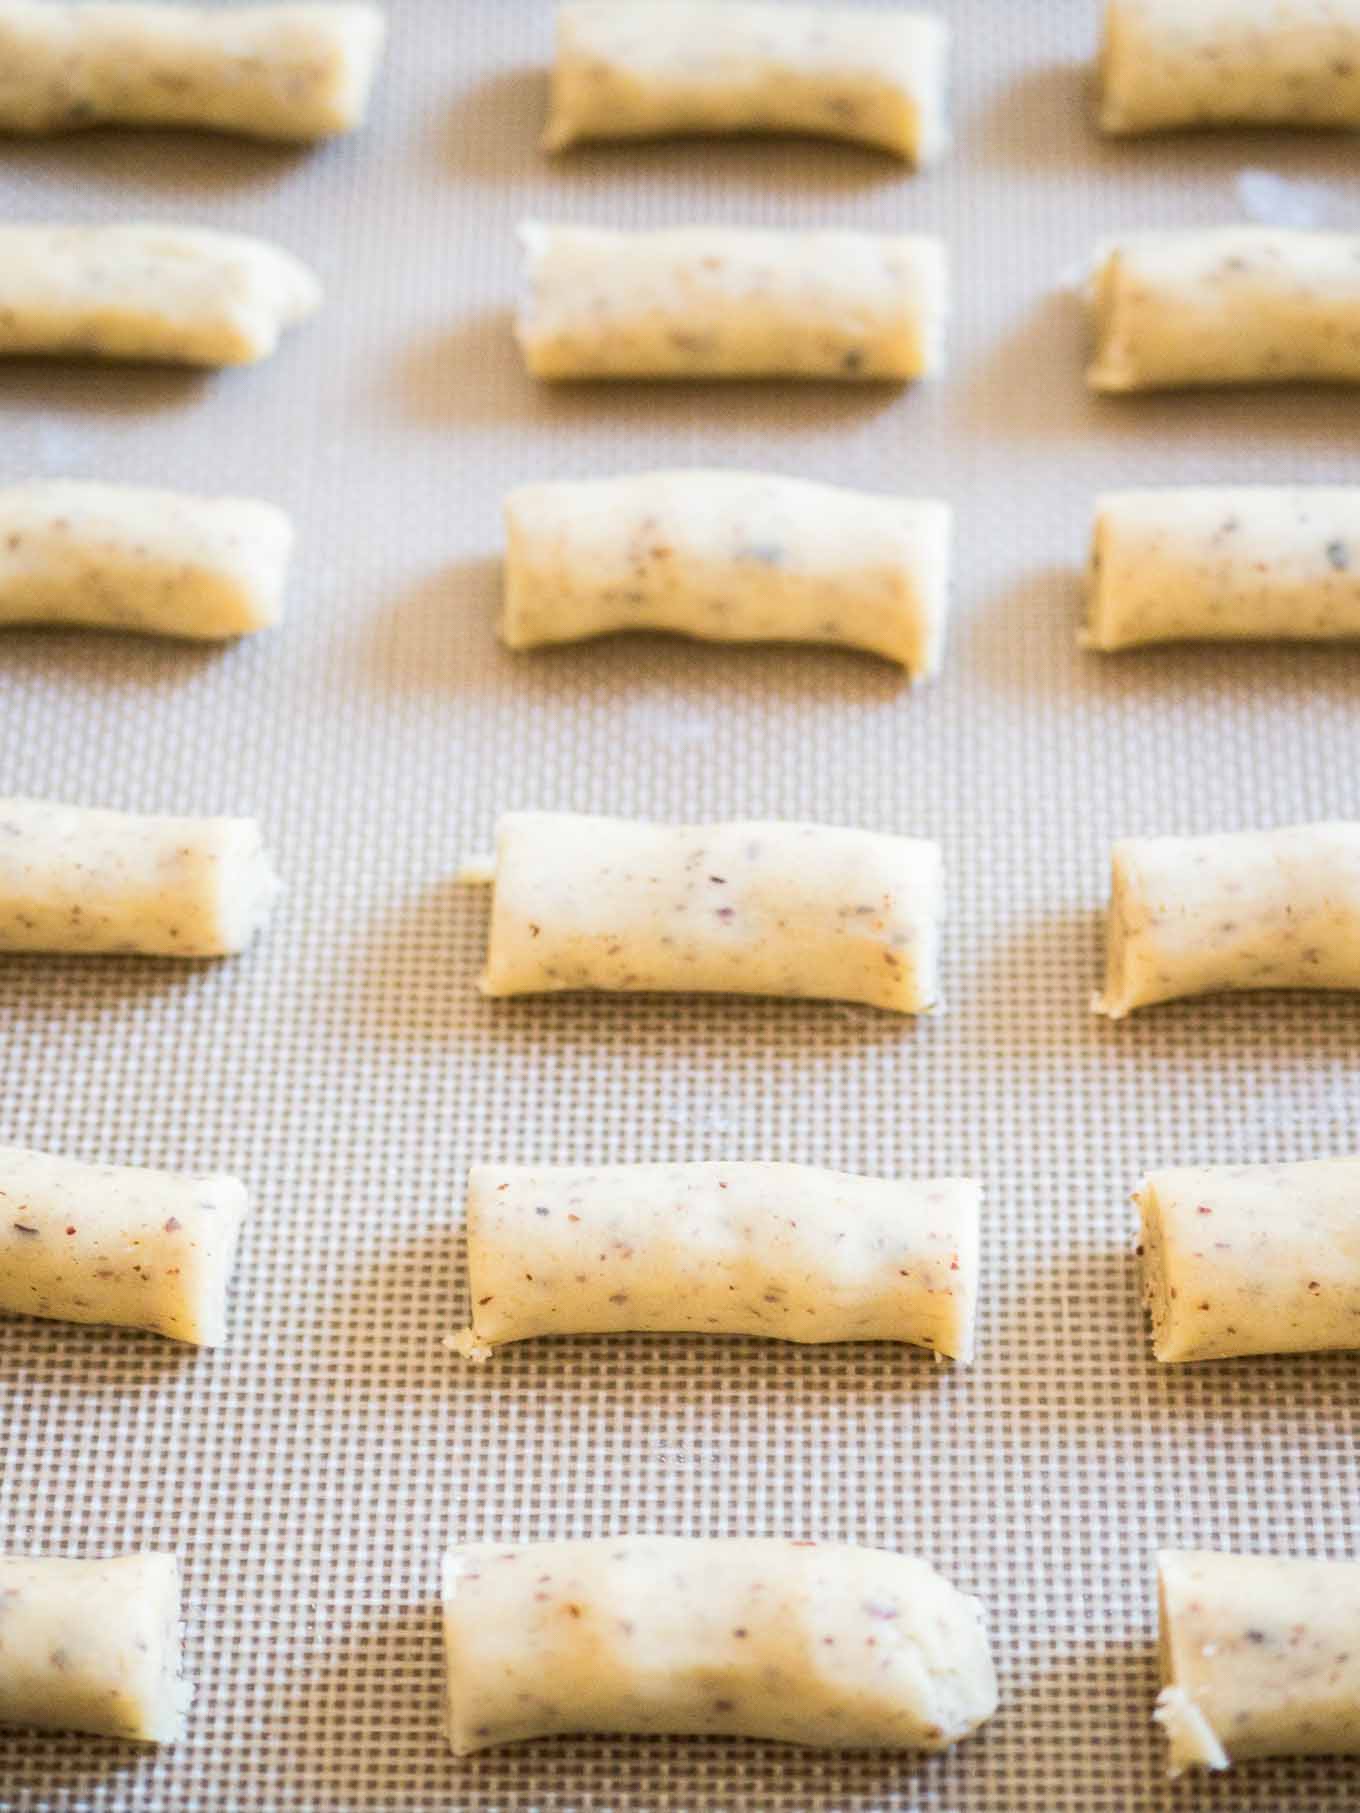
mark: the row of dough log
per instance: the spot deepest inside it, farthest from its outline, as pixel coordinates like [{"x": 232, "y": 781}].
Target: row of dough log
[
  {"x": 1237, "y": 305},
  {"x": 742, "y": 556},
  {"x": 823, "y": 1644},
  {"x": 628, "y": 71},
  {"x": 816, "y": 1643},
  {"x": 721, "y": 555},
  {"x": 747, "y": 907},
  {"x": 806, "y": 1642},
  {"x": 1246, "y": 1259}
]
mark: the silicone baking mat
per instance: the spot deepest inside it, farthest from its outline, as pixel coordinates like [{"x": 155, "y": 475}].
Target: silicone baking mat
[{"x": 310, "y": 1473}]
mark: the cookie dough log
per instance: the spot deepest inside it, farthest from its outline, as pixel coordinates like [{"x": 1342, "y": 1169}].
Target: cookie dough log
[
  {"x": 92, "y": 1645},
  {"x": 1166, "y": 63},
  {"x": 120, "y": 557},
  {"x": 1259, "y": 1657},
  {"x": 110, "y": 1244},
  {"x": 1218, "y": 564},
  {"x": 625, "y": 70},
  {"x": 748, "y": 1249},
  {"x": 722, "y": 302},
  {"x": 729, "y": 557},
  {"x": 1234, "y": 910},
  {"x": 804, "y": 1642},
  {"x": 275, "y": 72},
  {"x": 178, "y": 295},
  {"x": 75, "y": 878},
  {"x": 1248, "y": 1259},
  {"x": 1229, "y": 305},
  {"x": 749, "y": 908}
]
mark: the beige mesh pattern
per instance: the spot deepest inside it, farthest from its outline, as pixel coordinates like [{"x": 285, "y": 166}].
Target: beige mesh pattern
[{"x": 310, "y": 1472}]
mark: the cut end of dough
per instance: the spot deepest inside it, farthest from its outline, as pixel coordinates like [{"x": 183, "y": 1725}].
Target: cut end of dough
[
  {"x": 1193, "y": 1741},
  {"x": 249, "y": 886},
  {"x": 1155, "y": 1297}
]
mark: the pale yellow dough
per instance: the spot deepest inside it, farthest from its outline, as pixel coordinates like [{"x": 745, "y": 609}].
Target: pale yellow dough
[
  {"x": 810, "y": 1643},
  {"x": 751, "y": 908},
  {"x": 627, "y": 69},
  {"x": 120, "y": 557},
  {"x": 275, "y": 72},
  {"x": 727, "y": 302},
  {"x": 787, "y": 1251},
  {"x": 1229, "y": 305},
  {"x": 107, "y": 1243},
  {"x": 1225, "y": 563},
  {"x": 729, "y": 557},
  {"x": 92, "y": 1645},
  {"x": 1172, "y": 63},
  {"x": 75, "y": 878},
  {"x": 1259, "y": 1657},
  {"x": 1245, "y": 1259},
  {"x": 1235, "y": 910},
  {"x": 176, "y": 295}
]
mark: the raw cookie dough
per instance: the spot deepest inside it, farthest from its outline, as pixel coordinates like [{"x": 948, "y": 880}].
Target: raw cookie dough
[
  {"x": 120, "y": 557},
  {"x": 1242, "y": 1259},
  {"x": 804, "y": 1642},
  {"x": 107, "y": 1243},
  {"x": 730, "y": 557},
  {"x": 628, "y": 70},
  {"x": 728, "y": 302},
  {"x": 278, "y": 72},
  {"x": 1228, "y": 305},
  {"x": 92, "y": 1645},
  {"x": 1235, "y": 910},
  {"x": 74, "y": 878},
  {"x": 1216, "y": 563},
  {"x": 1170, "y": 63},
  {"x": 1259, "y": 1657},
  {"x": 756, "y": 1249},
  {"x": 178, "y": 295},
  {"x": 751, "y": 908}
]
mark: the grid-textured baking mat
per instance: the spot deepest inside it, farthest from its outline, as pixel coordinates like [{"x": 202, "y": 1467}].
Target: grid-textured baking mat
[{"x": 311, "y": 1472}]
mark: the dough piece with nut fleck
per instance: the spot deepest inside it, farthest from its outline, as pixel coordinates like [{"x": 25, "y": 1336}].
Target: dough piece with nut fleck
[
  {"x": 788, "y": 1251},
  {"x": 92, "y": 1645},
  {"x": 1259, "y": 1657},
  {"x": 727, "y": 302},
  {"x": 1225, "y": 564},
  {"x": 114, "y": 1244},
  {"x": 174, "y": 295},
  {"x": 78, "y": 879},
  {"x": 728, "y": 557},
  {"x": 750, "y": 908},
  {"x": 1229, "y": 305},
  {"x": 1243, "y": 1259},
  {"x": 275, "y": 72},
  {"x": 120, "y": 557},
  {"x": 1234, "y": 910},
  {"x": 628, "y": 70},
  {"x": 1173, "y": 63},
  {"x": 814, "y": 1643}
]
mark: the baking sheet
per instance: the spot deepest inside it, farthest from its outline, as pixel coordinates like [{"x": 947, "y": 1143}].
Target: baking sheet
[{"x": 311, "y": 1472}]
